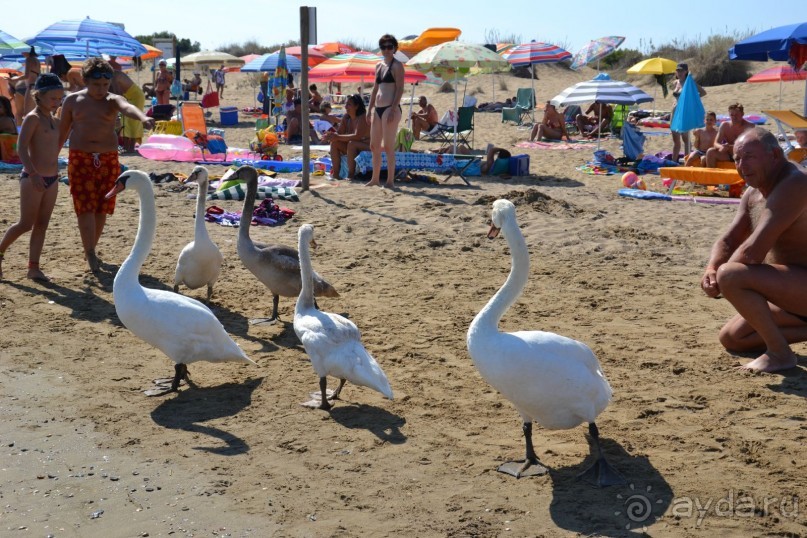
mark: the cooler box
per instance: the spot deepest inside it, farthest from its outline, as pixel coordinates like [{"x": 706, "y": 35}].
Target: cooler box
[
  {"x": 229, "y": 115},
  {"x": 519, "y": 165}
]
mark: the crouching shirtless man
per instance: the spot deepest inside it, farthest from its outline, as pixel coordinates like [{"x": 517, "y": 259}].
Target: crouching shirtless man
[{"x": 760, "y": 263}]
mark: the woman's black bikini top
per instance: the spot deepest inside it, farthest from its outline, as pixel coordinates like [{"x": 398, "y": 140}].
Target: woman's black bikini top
[{"x": 388, "y": 77}]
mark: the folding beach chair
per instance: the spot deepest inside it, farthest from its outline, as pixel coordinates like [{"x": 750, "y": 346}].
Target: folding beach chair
[
  {"x": 194, "y": 127},
  {"x": 569, "y": 118},
  {"x": 618, "y": 118},
  {"x": 525, "y": 104},
  {"x": 444, "y": 130}
]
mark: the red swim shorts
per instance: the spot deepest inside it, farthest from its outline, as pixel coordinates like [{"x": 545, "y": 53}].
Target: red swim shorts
[{"x": 92, "y": 176}]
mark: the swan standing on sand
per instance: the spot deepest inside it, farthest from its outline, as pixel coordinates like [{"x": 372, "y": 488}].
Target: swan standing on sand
[
  {"x": 552, "y": 380},
  {"x": 200, "y": 261},
  {"x": 277, "y": 266},
  {"x": 332, "y": 342},
  {"x": 181, "y": 327}
]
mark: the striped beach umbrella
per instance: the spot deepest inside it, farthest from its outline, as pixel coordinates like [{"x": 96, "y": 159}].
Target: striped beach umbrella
[
  {"x": 528, "y": 54},
  {"x": 596, "y": 50},
  {"x": 603, "y": 90},
  {"x": 88, "y": 36},
  {"x": 355, "y": 67},
  {"x": 13, "y": 48},
  {"x": 268, "y": 62}
]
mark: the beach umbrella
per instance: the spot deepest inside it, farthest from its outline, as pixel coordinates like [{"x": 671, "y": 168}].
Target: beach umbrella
[
  {"x": 782, "y": 44},
  {"x": 268, "y": 62},
  {"x": 314, "y": 56},
  {"x": 279, "y": 81},
  {"x": 529, "y": 54},
  {"x": 657, "y": 67},
  {"x": 447, "y": 60},
  {"x": 596, "y": 50},
  {"x": 11, "y": 66},
  {"x": 780, "y": 73},
  {"x": 13, "y": 48},
  {"x": 603, "y": 90},
  {"x": 333, "y": 48},
  {"x": 211, "y": 58},
  {"x": 355, "y": 67},
  {"x": 88, "y": 36}
]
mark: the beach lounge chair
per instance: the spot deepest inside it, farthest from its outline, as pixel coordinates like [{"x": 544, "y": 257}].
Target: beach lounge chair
[
  {"x": 194, "y": 127},
  {"x": 569, "y": 115},
  {"x": 525, "y": 104},
  {"x": 444, "y": 130}
]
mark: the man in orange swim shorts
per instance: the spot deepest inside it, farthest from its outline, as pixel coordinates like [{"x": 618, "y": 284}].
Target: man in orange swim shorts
[{"x": 93, "y": 162}]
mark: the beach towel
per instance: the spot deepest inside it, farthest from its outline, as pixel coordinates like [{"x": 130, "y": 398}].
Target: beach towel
[
  {"x": 557, "y": 145},
  {"x": 598, "y": 169},
  {"x": 237, "y": 192},
  {"x": 404, "y": 140},
  {"x": 12, "y": 167}
]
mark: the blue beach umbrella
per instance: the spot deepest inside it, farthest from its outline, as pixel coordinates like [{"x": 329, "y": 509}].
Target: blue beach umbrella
[
  {"x": 782, "y": 44},
  {"x": 90, "y": 36},
  {"x": 689, "y": 111},
  {"x": 13, "y": 48},
  {"x": 268, "y": 62}
]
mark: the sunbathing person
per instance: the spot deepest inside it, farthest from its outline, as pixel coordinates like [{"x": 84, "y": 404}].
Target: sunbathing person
[
  {"x": 727, "y": 133},
  {"x": 294, "y": 132},
  {"x": 316, "y": 99},
  {"x": 497, "y": 106},
  {"x": 552, "y": 127},
  {"x": 760, "y": 263},
  {"x": 351, "y": 137},
  {"x": 497, "y": 162},
  {"x": 596, "y": 119},
  {"x": 426, "y": 119},
  {"x": 704, "y": 139}
]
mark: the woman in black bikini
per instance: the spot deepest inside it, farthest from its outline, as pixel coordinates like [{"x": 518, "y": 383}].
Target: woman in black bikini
[{"x": 384, "y": 112}]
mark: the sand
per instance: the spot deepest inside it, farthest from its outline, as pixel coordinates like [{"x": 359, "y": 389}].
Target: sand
[{"x": 706, "y": 450}]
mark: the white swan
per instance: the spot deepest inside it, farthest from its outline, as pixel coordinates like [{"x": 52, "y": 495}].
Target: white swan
[
  {"x": 332, "y": 342},
  {"x": 200, "y": 261},
  {"x": 550, "y": 379},
  {"x": 181, "y": 327},
  {"x": 276, "y": 266}
]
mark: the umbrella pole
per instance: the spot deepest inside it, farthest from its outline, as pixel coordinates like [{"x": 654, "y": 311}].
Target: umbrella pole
[
  {"x": 456, "y": 116},
  {"x": 655, "y": 89},
  {"x": 599, "y": 116},
  {"x": 409, "y": 121},
  {"x": 780, "y": 94},
  {"x": 532, "y": 83}
]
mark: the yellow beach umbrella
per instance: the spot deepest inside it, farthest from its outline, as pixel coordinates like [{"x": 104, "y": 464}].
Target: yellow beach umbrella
[
  {"x": 653, "y": 66},
  {"x": 657, "y": 67}
]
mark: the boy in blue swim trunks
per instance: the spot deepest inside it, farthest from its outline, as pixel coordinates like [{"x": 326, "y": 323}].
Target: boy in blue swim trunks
[{"x": 704, "y": 139}]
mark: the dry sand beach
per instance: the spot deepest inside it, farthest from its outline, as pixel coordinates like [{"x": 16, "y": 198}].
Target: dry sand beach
[{"x": 706, "y": 450}]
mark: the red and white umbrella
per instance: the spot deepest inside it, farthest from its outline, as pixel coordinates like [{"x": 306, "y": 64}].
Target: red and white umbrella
[
  {"x": 595, "y": 50},
  {"x": 781, "y": 73},
  {"x": 315, "y": 57},
  {"x": 355, "y": 67},
  {"x": 528, "y": 54}
]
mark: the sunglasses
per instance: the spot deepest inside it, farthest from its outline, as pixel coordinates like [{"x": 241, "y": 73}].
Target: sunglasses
[
  {"x": 388, "y": 46},
  {"x": 100, "y": 74}
]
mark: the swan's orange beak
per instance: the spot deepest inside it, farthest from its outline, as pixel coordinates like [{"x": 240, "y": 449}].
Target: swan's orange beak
[
  {"x": 119, "y": 186},
  {"x": 494, "y": 232}
]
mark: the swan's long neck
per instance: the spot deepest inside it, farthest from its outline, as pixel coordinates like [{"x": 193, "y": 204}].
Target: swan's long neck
[
  {"x": 199, "y": 230},
  {"x": 306, "y": 274},
  {"x": 488, "y": 318},
  {"x": 249, "y": 208},
  {"x": 130, "y": 268}
]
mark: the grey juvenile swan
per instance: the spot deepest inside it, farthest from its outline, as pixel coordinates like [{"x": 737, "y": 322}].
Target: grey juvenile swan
[{"x": 277, "y": 266}]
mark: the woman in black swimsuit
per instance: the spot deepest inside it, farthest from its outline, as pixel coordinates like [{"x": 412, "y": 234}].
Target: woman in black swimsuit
[{"x": 384, "y": 112}]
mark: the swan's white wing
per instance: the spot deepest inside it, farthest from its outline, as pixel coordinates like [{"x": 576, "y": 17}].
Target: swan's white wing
[
  {"x": 334, "y": 345},
  {"x": 199, "y": 264},
  {"x": 551, "y": 379},
  {"x": 181, "y": 327}
]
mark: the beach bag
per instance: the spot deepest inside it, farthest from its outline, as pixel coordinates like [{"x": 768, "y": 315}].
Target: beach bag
[
  {"x": 176, "y": 89},
  {"x": 210, "y": 98}
]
